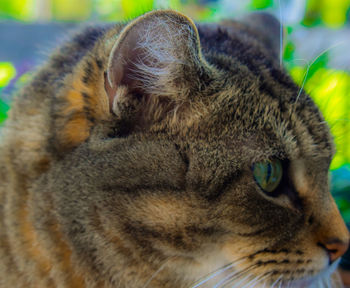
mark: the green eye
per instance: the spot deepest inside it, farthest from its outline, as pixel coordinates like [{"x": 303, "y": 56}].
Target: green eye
[{"x": 268, "y": 174}]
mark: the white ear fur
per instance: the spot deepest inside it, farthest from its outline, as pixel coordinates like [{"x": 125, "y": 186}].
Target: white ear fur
[{"x": 153, "y": 53}]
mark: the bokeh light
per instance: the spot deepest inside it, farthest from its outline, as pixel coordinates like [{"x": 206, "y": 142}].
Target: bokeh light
[{"x": 7, "y": 72}]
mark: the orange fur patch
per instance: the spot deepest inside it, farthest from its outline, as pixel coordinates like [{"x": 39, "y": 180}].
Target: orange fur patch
[
  {"x": 62, "y": 249},
  {"x": 77, "y": 129},
  {"x": 163, "y": 211},
  {"x": 33, "y": 248},
  {"x": 41, "y": 256}
]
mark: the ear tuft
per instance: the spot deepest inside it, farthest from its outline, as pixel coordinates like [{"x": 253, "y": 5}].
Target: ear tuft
[
  {"x": 154, "y": 65},
  {"x": 154, "y": 52}
]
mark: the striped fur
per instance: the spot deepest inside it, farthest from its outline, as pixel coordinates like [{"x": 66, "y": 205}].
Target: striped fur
[{"x": 125, "y": 162}]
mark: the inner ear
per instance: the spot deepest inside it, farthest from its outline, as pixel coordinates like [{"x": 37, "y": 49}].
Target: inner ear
[
  {"x": 155, "y": 55},
  {"x": 109, "y": 90},
  {"x": 126, "y": 57}
]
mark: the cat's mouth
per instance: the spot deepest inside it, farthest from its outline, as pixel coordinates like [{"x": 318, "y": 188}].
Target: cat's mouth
[
  {"x": 222, "y": 278},
  {"x": 324, "y": 279}
]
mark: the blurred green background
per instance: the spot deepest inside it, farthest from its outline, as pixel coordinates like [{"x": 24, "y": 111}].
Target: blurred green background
[{"x": 315, "y": 50}]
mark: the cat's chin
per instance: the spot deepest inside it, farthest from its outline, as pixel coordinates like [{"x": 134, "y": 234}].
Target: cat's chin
[{"x": 326, "y": 278}]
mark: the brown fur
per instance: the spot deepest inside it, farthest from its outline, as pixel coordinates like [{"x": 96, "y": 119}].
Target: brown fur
[{"x": 126, "y": 161}]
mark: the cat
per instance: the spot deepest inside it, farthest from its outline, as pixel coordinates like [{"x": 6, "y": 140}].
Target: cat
[{"x": 164, "y": 153}]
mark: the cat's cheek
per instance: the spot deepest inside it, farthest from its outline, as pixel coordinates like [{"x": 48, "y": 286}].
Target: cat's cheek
[
  {"x": 204, "y": 264},
  {"x": 232, "y": 254}
]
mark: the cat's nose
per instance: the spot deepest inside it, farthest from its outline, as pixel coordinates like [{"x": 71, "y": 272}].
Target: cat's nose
[
  {"x": 332, "y": 233},
  {"x": 336, "y": 248}
]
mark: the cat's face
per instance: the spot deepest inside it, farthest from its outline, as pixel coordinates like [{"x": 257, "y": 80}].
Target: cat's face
[
  {"x": 178, "y": 193},
  {"x": 279, "y": 235}
]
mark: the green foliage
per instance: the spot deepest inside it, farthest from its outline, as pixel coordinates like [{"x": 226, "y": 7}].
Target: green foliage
[
  {"x": 133, "y": 9},
  {"x": 108, "y": 10},
  {"x": 3, "y": 110},
  {"x": 261, "y": 4},
  {"x": 289, "y": 49},
  {"x": 7, "y": 72},
  {"x": 71, "y": 10},
  {"x": 343, "y": 205},
  {"x": 332, "y": 13},
  {"x": 17, "y": 9},
  {"x": 330, "y": 89}
]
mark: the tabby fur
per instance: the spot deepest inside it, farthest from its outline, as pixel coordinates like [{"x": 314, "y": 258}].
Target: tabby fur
[{"x": 126, "y": 162}]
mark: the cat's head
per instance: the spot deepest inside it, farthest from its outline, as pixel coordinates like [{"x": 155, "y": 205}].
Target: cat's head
[{"x": 215, "y": 160}]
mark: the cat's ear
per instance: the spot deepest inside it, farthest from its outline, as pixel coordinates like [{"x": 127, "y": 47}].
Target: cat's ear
[
  {"x": 155, "y": 62},
  {"x": 269, "y": 29}
]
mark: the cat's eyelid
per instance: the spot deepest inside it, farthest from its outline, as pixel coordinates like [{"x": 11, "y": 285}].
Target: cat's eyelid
[{"x": 268, "y": 158}]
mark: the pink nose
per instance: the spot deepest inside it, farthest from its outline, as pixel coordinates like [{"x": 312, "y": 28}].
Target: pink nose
[{"x": 335, "y": 248}]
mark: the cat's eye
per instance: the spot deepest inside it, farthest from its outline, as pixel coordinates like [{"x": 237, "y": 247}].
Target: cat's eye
[{"x": 268, "y": 174}]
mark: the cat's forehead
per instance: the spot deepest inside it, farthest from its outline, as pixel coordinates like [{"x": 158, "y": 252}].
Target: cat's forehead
[{"x": 271, "y": 126}]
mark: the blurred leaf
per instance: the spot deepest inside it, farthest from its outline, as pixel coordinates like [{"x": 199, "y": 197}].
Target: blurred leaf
[
  {"x": 261, "y": 4},
  {"x": 344, "y": 207},
  {"x": 7, "y": 72},
  {"x": 17, "y": 9},
  {"x": 312, "y": 14},
  {"x": 333, "y": 13},
  {"x": 175, "y": 4},
  {"x": 330, "y": 89},
  {"x": 108, "y": 10},
  {"x": 132, "y": 9},
  {"x": 71, "y": 10},
  {"x": 320, "y": 62},
  {"x": 300, "y": 73},
  {"x": 3, "y": 110},
  {"x": 289, "y": 50}
]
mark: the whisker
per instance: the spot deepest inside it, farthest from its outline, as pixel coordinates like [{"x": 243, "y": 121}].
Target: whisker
[
  {"x": 303, "y": 83},
  {"x": 218, "y": 272},
  {"x": 157, "y": 272},
  {"x": 323, "y": 284},
  {"x": 213, "y": 275},
  {"x": 275, "y": 283},
  {"x": 281, "y": 34},
  {"x": 227, "y": 279},
  {"x": 309, "y": 66},
  {"x": 326, "y": 50},
  {"x": 252, "y": 282},
  {"x": 233, "y": 276},
  {"x": 237, "y": 284},
  {"x": 335, "y": 120},
  {"x": 258, "y": 280}
]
